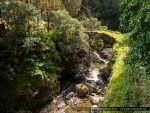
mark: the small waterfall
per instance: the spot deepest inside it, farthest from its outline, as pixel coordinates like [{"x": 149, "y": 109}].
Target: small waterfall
[
  {"x": 101, "y": 59},
  {"x": 97, "y": 55},
  {"x": 94, "y": 70},
  {"x": 94, "y": 74}
]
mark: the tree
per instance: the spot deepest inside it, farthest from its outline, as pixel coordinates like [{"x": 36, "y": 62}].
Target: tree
[
  {"x": 17, "y": 14},
  {"x": 91, "y": 24},
  {"x": 71, "y": 42},
  {"x": 50, "y": 5},
  {"x": 105, "y": 10},
  {"x": 68, "y": 31},
  {"x": 73, "y": 6},
  {"x": 29, "y": 62}
]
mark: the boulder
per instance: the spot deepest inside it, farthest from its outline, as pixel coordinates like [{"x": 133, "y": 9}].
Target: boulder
[
  {"x": 101, "y": 99},
  {"x": 91, "y": 86},
  {"x": 81, "y": 90},
  {"x": 95, "y": 100},
  {"x": 105, "y": 71},
  {"x": 70, "y": 95},
  {"x": 75, "y": 67}
]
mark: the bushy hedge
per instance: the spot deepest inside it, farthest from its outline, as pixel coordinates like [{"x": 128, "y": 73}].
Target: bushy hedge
[{"x": 135, "y": 21}]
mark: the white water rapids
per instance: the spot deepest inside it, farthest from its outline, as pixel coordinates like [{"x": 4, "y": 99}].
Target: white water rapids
[{"x": 93, "y": 75}]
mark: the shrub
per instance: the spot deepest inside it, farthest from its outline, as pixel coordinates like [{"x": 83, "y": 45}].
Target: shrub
[{"x": 135, "y": 20}]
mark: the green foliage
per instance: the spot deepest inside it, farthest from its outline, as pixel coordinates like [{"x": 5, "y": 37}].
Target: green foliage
[
  {"x": 31, "y": 74},
  {"x": 30, "y": 62},
  {"x": 105, "y": 10},
  {"x": 73, "y": 6},
  {"x": 122, "y": 91},
  {"x": 129, "y": 83},
  {"x": 92, "y": 24},
  {"x": 135, "y": 20},
  {"x": 29, "y": 65},
  {"x": 16, "y": 14},
  {"x": 96, "y": 42},
  {"x": 49, "y": 4},
  {"x": 41, "y": 66},
  {"x": 68, "y": 31}
]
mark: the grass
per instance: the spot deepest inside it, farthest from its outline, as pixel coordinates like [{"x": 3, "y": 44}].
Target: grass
[{"x": 122, "y": 90}]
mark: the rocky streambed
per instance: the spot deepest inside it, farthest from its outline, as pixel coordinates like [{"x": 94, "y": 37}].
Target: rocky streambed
[{"x": 82, "y": 96}]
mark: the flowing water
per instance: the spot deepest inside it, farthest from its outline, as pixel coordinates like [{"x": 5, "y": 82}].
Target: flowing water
[
  {"x": 93, "y": 76},
  {"x": 99, "y": 58}
]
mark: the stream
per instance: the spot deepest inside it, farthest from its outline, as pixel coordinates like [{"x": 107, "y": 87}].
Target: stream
[{"x": 88, "y": 93}]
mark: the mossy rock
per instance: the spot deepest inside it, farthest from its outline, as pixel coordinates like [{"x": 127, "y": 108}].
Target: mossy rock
[{"x": 81, "y": 90}]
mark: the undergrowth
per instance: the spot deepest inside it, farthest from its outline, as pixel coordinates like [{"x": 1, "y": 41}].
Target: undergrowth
[{"x": 123, "y": 88}]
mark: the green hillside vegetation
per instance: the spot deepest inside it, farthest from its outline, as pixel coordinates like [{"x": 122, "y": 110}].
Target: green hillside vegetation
[
  {"x": 129, "y": 84},
  {"x": 46, "y": 42}
]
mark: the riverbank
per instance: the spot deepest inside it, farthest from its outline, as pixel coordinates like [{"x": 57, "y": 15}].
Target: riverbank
[{"x": 122, "y": 90}]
